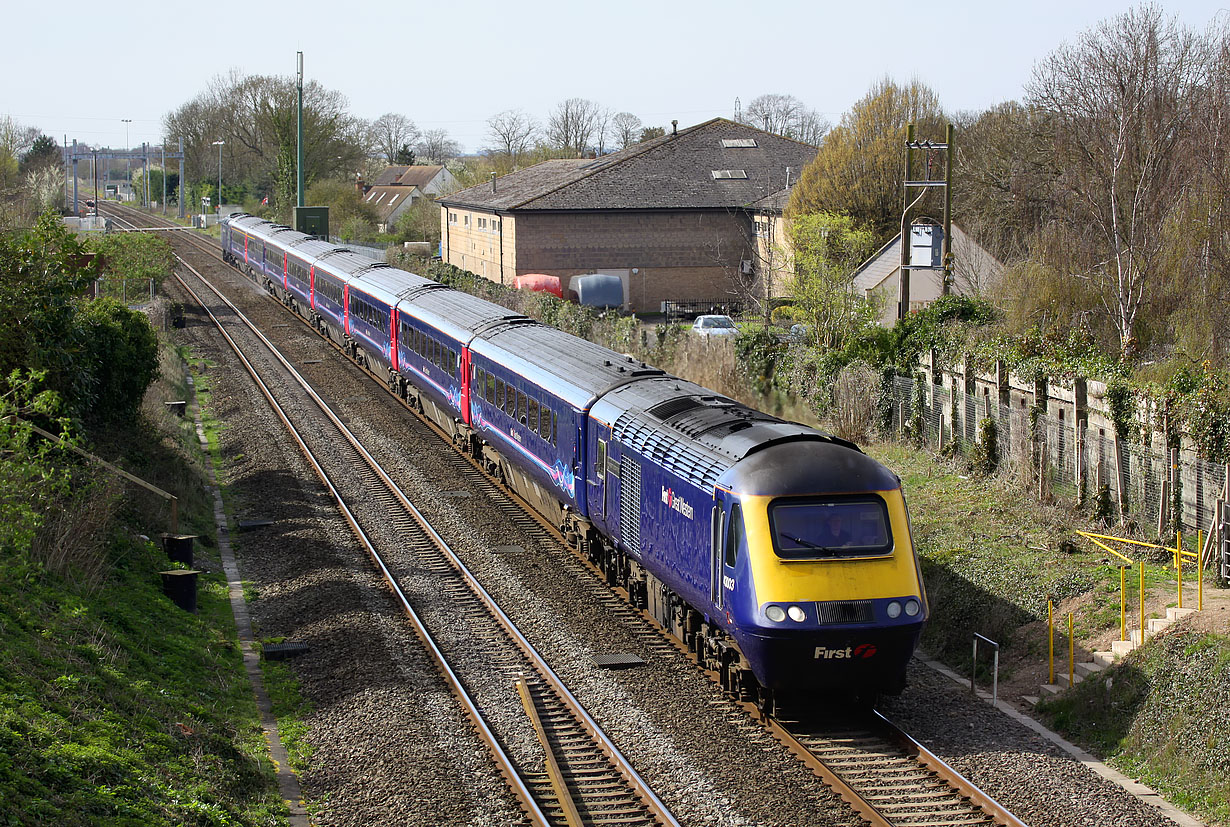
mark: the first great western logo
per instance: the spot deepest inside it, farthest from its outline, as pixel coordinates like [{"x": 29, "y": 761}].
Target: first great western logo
[{"x": 676, "y": 503}]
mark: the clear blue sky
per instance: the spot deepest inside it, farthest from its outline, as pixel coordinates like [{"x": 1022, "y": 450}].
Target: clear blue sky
[{"x": 79, "y": 68}]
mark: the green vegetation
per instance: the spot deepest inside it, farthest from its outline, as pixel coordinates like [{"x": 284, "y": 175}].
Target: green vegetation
[
  {"x": 116, "y": 707},
  {"x": 1163, "y": 716}
]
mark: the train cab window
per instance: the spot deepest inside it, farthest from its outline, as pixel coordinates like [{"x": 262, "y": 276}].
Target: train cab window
[
  {"x": 817, "y": 529},
  {"x": 532, "y": 421},
  {"x": 736, "y": 538},
  {"x": 521, "y": 407}
]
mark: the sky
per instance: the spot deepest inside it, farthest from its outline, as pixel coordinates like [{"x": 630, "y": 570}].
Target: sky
[{"x": 79, "y": 69}]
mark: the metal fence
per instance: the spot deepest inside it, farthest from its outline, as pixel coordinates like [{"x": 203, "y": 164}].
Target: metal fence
[
  {"x": 1160, "y": 490},
  {"x": 129, "y": 291},
  {"x": 372, "y": 251}
]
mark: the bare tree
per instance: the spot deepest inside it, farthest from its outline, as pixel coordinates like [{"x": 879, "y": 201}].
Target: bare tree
[
  {"x": 390, "y": 132},
  {"x": 787, "y": 116},
  {"x": 1124, "y": 99},
  {"x": 512, "y": 132},
  {"x": 625, "y": 128},
  {"x": 573, "y": 124},
  {"x": 810, "y": 127},
  {"x": 773, "y": 112},
  {"x": 436, "y": 145}
]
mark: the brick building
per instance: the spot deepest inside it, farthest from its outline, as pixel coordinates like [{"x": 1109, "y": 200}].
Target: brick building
[{"x": 672, "y": 217}]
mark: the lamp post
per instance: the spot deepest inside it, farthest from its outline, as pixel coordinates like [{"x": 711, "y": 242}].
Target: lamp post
[
  {"x": 219, "y": 144},
  {"x": 127, "y": 160}
]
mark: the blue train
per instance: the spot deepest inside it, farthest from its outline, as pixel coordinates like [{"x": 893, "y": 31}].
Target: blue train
[{"x": 780, "y": 555}]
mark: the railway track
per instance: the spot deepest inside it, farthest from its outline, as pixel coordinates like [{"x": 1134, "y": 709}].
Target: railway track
[
  {"x": 585, "y": 780},
  {"x": 887, "y": 777}
]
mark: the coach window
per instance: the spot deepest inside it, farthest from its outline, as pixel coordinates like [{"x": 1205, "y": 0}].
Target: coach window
[
  {"x": 521, "y": 407},
  {"x": 452, "y": 361},
  {"x": 532, "y": 422},
  {"x": 544, "y": 425},
  {"x": 734, "y": 535},
  {"x": 554, "y": 428},
  {"x": 510, "y": 402},
  {"x": 490, "y": 388},
  {"x": 499, "y": 394}
]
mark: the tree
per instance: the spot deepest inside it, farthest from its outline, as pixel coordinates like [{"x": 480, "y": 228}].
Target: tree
[
  {"x": 787, "y": 116},
  {"x": 256, "y": 117},
  {"x": 573, "y": 124},
  {"x": 1004, "y": 177},
  {"x": 827, "y": 249},
  {"x": 404, "y": 156},
  {"x": 15, "y": 140},
  {"x": 42, "y": 153},
  {"x": 1124, "y": 100},
  {"x": 391, "y": 132},
  {"x": 421, "y": 221},
  {"x": 859, "y": 169},
  {"x": 344, "y": 200},
  {"x": 625, "y": 127},
  {"x": 512, "y": 132},
  {"x": 651, "y": 132},
  {"x": 437, "y": 146}
]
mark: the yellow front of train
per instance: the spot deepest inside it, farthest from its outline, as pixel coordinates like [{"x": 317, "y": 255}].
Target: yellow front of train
[{"x": 827, "y": 592}]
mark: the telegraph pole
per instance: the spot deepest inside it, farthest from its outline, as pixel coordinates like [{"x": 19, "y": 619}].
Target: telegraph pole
[{"x": 923, "y": 184}]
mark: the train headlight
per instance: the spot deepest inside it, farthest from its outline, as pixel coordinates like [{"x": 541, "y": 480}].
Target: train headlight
[
  {"x": 912, "y": 607},
  {"x": 894, "y": 609},
  {"x": 775, "y": 613},
  {"x": 796, "y": 614}
]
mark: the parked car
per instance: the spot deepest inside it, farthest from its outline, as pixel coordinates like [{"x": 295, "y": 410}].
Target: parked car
[{"x": 714, "y": 325}]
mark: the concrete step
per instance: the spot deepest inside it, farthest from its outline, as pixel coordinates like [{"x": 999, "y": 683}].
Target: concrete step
[
  {"x": 1032, "y": 700},
  {"x": 1106, "y": 658},
  {"x": 1084, "y": 670},
  {"x": 1158, "y": 624},
  {"x": 1121, "y": 648},
  {"x": 1175, "y": 613},
  {"x": 1051, "y": 688}
]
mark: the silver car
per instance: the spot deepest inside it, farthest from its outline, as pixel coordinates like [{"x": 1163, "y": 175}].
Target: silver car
[{"x": 715, "y": 325}]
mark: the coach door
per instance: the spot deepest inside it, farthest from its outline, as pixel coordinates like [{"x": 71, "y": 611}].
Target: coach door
[{"x": 595, "y": 473}]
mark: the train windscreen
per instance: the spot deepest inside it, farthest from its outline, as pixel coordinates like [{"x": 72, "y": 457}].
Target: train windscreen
[{"x": 818, "y": 529}]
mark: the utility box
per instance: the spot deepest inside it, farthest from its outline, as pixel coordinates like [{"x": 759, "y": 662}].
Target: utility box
[
  {"x": 312, "y": 221},
  {"x": 926, "y": 246}
]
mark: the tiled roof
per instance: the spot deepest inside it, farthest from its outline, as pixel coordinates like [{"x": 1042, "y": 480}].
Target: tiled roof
[
  {"x": 775, "y": 203},
  {"x": 386, "y": 199},
  {"x": 671, "y": 172},
  {"x": 388, "y": 177},
  {"x": 419, "y": 175}
]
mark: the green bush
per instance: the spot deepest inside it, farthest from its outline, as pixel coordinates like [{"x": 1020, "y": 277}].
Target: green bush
[
  {"x": 122, "y": 356},
  {"x": 985, "y": 455}
]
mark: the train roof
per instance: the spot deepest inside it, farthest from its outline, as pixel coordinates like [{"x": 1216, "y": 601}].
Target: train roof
[
  {"x": 310, "y": 248},
  {"x": 695, "y": 432},
  {"x": 458, "y": 314},
  {"x": 576, "y": 370},
  {"x": 393, "y": 281},
  {"x": 809, "y": 467}
]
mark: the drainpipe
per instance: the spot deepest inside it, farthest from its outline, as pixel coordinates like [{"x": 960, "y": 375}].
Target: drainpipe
[{"x": 501, "y": 239}]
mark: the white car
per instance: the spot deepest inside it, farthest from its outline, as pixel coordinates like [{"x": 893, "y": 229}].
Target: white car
[{"x": 714, "y": 325}]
